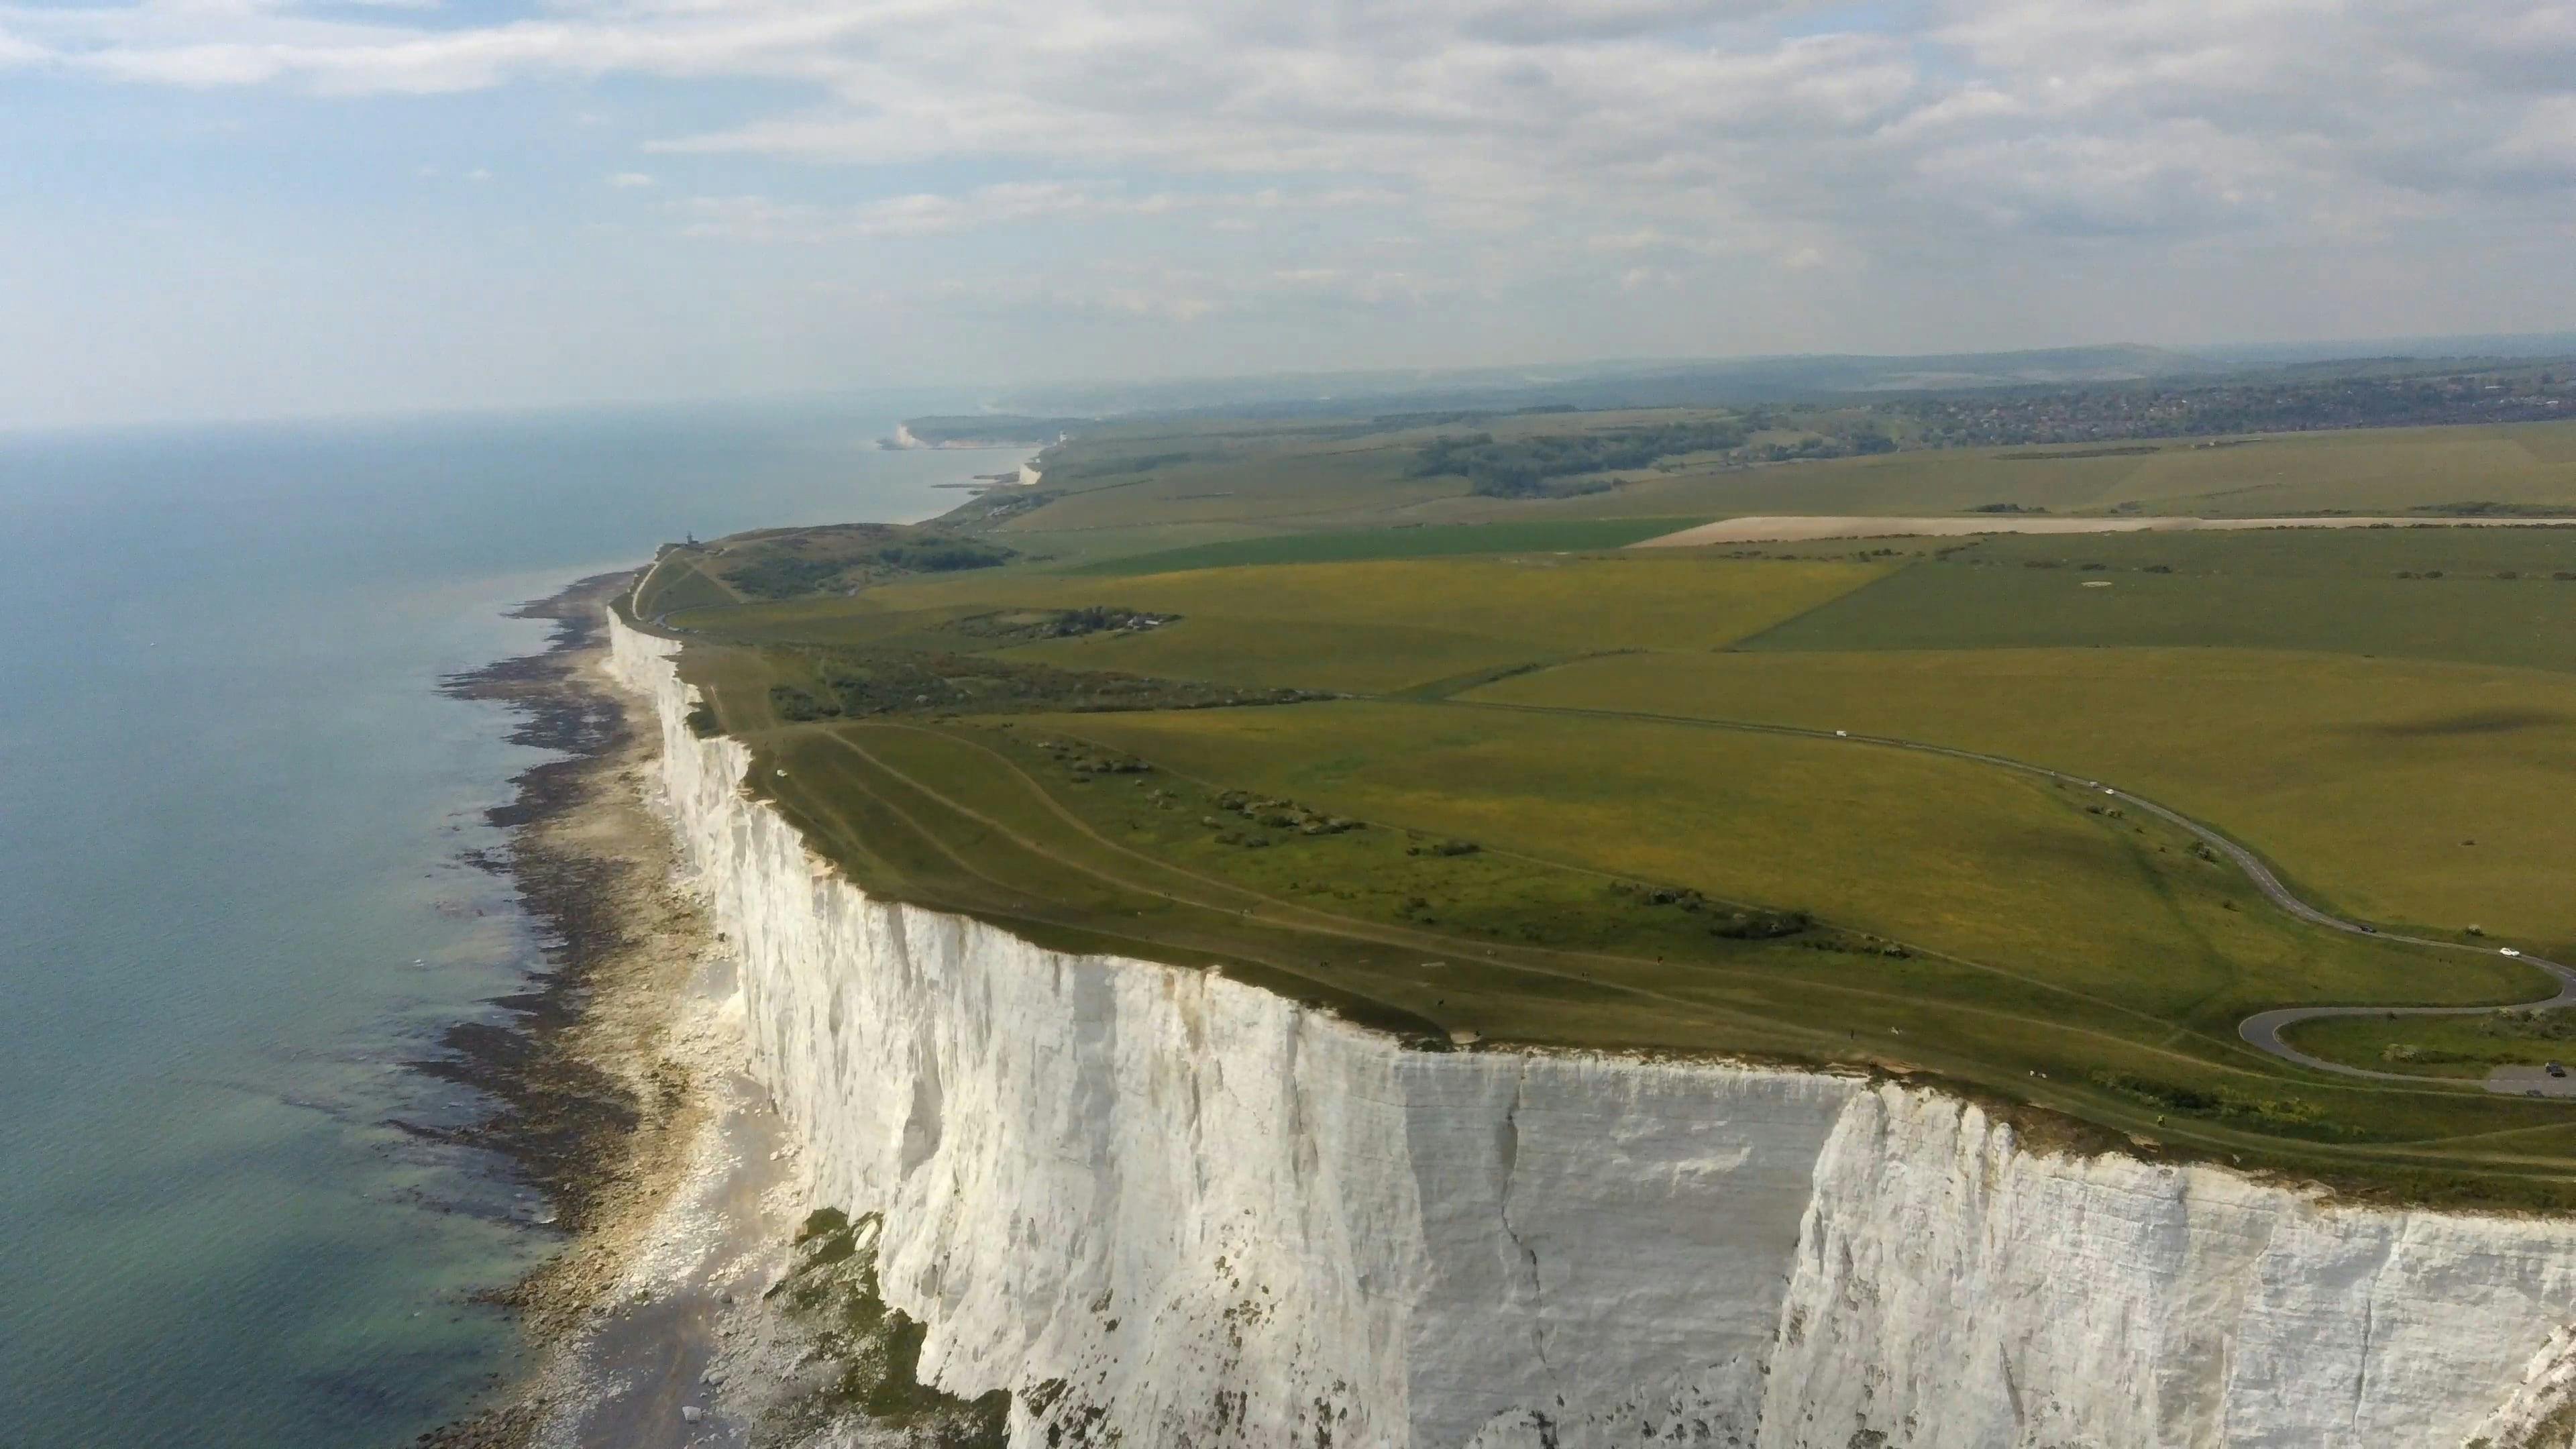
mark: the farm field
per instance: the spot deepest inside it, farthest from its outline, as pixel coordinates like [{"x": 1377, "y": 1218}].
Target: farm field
[
  {"x": 2486, "y": 596},
  {"x": 1337, "y": 477},
  {"x": 2410, "y": 792},
  {"x": 1379, "y": 626},
  {"x": 1237, "y": 698},
  {"x": 2379, "y": 471},
  {"x": 1938, "y": 853},
  {"x": 1410, "y": 541}
]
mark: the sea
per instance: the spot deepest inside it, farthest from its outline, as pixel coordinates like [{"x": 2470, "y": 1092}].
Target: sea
[{"x": 236, "y": 893}]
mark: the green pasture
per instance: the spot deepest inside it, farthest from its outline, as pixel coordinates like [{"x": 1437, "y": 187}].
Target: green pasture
[
  {"x": 1368, "y": 627},
  {"x": 1532, "y": 817},
  {"x": 1410, "y": 623},
  {"x": 2464, "y": 1048},
  {"x": 1346, "y": 476},
  {"x": 1416, "y": 541},
  {"x": 674, "y": 583},
  {"x": 1957, "y": 859},
  {"x": 2409, "y": 792},
  {"x": 1547, "y": 932},
  {"x": 2312, "y": 590},
  {"x": 2369, "y": 471}
]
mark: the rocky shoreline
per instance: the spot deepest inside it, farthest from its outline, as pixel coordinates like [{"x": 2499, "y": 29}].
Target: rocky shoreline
[
  {"x": 692, "y": 1304},
  {"x": 600, "y": 1100}
]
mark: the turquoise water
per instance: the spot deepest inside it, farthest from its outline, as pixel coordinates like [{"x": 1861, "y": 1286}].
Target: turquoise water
[{"x": 232, "y": 803}]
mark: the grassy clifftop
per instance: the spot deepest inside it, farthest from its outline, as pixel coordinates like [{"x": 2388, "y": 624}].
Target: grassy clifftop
[{"x": 1236, "y": 698}]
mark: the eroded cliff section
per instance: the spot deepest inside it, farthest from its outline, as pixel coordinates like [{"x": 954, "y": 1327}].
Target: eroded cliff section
[{"x": 1163, "y": 1208}]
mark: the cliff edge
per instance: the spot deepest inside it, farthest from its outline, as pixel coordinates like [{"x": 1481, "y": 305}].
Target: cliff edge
[{"x": 1166, "y": 1208}]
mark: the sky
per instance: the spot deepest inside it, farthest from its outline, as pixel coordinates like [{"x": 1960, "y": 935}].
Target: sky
[{"x": 260, "y": 208}]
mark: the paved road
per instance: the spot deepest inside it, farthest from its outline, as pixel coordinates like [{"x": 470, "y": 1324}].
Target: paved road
[{"x": 2261, "y": 1030}]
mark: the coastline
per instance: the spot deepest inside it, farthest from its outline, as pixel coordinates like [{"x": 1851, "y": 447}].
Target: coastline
[
  {"x": 626, "y": 1099},
  {"x": 608, "y": 1069},
  {"x": 1133, "y": 1202},
  {"x": 1804, "y": 1233}
]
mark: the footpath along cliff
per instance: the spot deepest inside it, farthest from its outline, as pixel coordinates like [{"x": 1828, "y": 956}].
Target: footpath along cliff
[{"x": 1168, "y": 1209}]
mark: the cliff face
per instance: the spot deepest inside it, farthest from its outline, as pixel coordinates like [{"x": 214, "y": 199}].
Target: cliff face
[{"x": 1169, "y": 1209}]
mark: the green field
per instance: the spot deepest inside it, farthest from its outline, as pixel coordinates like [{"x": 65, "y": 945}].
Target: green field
[
  {"x": 1267, "y": 479},
  {"x": 2386, "y": 471},
  {"x": 2402, "y": 791},
  {"x": 1370, "y": 627},
  {"x": 1414, "y": 541},
  {"x": 2464, "y": 1048},
  {"x": 2317, "y": 590},
  {"x": 1264, "y": 698}
]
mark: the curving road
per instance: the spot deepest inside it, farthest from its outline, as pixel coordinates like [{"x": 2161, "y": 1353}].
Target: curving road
[{"x": 2263, "y": 1029}]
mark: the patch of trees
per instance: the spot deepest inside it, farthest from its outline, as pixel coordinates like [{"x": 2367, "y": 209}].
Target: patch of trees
[
  {"x": 1532, "y": 467},
  {"x": 1036, "y": 624},
  {"x": 798, "y": 706},
  {"x": 2225, "y": 1103},
  {"x": 1861, "y": 442},
  {"x": 942, "y": 555},
  {"x": 844, "y": 560},
  {"x": 855, "y": 684},
  {"x": 1734, "y": 923},
  {"x": 2482, "y": 508},
  {"x": 1282, "y": 815}
]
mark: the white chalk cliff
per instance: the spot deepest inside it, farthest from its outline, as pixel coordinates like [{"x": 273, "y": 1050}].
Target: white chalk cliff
[{"x": 1168, "y": 1209}]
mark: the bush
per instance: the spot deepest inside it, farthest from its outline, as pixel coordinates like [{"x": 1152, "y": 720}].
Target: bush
[{"x": 797, "y": 707}]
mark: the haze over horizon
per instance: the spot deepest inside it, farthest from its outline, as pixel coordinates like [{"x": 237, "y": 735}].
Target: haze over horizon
[{"x": 270, "y": 207}]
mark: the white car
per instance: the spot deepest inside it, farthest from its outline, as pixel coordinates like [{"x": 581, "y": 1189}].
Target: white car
[{"x": 2507, "y": 951}]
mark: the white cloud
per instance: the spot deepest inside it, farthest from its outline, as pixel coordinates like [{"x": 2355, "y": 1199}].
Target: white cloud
[
  {"x": 762, "y": 218},
  {"x": 2150, "y": 117},
  {"x": 1450, "y": 180},
  {"x": 15, "y": 51}
]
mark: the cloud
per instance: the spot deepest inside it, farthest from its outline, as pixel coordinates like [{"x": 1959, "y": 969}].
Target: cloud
[
  {"x": 1565, "y": 175},
  {"x": 16, "y": 52},
  {"x": 762, "y": 218},
  {"x": 2155, "y": 117}
]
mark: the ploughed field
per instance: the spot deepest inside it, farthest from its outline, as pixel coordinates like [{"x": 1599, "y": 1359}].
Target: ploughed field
[{"x": 1502, "y": 778}]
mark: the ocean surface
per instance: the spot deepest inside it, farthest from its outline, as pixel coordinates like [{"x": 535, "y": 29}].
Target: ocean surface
[{"x": 232, "y": 906}]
